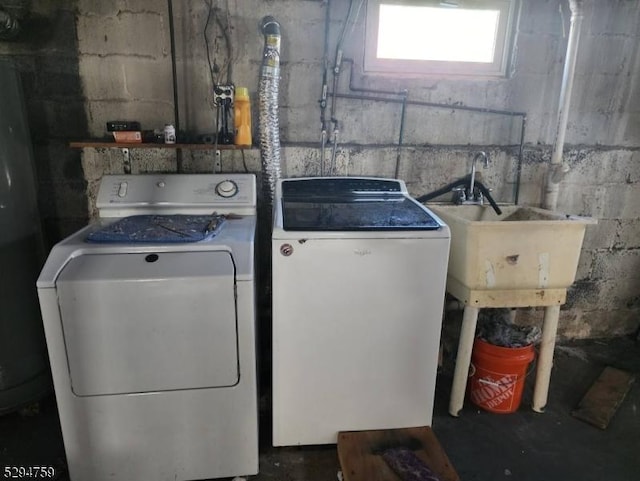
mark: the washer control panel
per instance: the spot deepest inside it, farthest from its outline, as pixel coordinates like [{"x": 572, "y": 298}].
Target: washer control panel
[{"x": 188, "y": 193}]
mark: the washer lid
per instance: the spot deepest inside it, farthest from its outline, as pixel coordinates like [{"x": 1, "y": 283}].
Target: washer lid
[
  {"x": 147, "y": 322},
  {"x": 351, "y": 204},
  {"x": 356, "y": 214}
]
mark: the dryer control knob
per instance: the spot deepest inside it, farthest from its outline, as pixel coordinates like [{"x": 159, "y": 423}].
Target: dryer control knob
[{"x": 227, "y": 188}]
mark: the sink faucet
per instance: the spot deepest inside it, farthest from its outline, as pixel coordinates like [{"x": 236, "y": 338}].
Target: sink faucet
[
  {"x": 466, "y": 189},
  {"x": 471, "y": 194}
]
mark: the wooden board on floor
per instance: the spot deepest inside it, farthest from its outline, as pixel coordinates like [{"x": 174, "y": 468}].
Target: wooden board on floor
[
  {"x": 603, "y": 398},
  {"x": 360, "y": 453}
]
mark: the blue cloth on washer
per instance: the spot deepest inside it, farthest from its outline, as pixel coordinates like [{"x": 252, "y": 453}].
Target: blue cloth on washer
[{"x": 160, "y": 229}]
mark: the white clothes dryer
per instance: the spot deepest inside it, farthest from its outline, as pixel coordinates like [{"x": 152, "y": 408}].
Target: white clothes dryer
[{"x": 152, "y": 345}]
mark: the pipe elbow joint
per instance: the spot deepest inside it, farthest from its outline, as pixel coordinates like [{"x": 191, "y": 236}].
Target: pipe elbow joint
[
  {"x": 576, "y": 6},
  {"x": 559, "y": 172}
]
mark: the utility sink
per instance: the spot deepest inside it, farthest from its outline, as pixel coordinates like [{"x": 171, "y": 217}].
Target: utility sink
[
  {"x": 523, "y": 258},
  {"x": 525, "y": 248}
]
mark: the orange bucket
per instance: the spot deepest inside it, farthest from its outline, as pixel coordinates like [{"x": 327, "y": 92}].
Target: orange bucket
[{"x": 496, "y": 378}]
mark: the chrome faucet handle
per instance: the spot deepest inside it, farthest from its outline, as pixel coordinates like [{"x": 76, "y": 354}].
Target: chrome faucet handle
[{"x": 459, "y": 194}]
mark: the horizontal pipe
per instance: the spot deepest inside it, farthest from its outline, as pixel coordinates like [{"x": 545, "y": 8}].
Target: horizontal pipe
[
  {"x": 429, "y": 104},
  {"x": 393, "y": 145},
  {"x": 404, "y": 101}
]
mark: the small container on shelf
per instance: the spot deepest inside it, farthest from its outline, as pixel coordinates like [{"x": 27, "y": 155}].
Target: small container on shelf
[
  {"x": 169, "y": 134},
  {"x": 127, "y": 137}
]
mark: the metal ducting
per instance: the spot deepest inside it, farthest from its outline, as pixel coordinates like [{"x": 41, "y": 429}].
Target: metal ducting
[{"x": 269, "y": 120}]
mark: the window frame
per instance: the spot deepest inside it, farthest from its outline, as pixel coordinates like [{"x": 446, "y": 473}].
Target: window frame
[{"x": 502, "y": 53}]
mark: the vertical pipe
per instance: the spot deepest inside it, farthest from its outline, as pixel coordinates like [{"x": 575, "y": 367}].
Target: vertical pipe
[
  {"x": 325, "y": 88},
  {"x": 403, "y": 112},
  {"x": 323, "y": 146},
  {"x": 557, "y": 168},
  {"x": 520, "y": 160},
  {"x": 176, "y": 108},
  {"x": 334, "y": 152}
]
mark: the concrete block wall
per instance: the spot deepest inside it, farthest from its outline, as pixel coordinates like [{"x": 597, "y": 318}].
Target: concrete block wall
[
  {"x": 124, "y": 66},
  {"x": 124, "y": 62}
]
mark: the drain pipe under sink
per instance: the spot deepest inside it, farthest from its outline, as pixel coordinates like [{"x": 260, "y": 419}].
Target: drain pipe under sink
[{"x": 557, "y": 168}]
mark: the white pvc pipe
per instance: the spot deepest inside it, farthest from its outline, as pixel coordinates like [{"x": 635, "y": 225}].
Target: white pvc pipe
[{"x": 557, "y": 168}]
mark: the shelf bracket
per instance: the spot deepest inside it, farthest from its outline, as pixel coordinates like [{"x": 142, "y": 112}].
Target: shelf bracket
[
  {"x": 126, "y": 160},
  {"x": 217, "y": 164}
]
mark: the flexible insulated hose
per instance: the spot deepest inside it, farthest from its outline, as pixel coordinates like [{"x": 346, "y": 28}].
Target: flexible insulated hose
[
  {"x": 268, "y": 119},
  {"x": 268, "y": 124}
]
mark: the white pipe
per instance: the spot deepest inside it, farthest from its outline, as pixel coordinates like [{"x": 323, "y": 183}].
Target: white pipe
[{"x": 557, "y": 169}]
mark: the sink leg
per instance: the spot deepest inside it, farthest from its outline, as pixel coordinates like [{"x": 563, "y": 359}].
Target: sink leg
[
  {"x": 465, "y": 346},
  {"x": 545, "y": 358}
]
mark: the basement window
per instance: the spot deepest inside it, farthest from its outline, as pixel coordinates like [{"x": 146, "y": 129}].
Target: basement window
[{"x": 449, "y": 37}]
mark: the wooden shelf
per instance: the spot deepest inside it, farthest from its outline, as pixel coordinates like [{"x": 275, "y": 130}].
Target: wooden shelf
[{"x": 133, "y": 145}]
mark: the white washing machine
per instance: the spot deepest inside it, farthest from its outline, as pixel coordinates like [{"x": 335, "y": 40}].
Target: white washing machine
[
  {"x": 359, "y": 271},
  {"x": 152, "y": 345}
]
